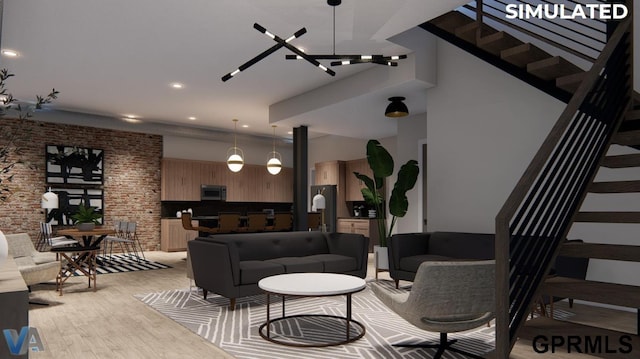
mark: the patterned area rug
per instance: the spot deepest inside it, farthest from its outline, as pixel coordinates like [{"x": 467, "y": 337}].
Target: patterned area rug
[
  {"x": 236, "y": 331},
  {"x": 119, "y": 263}
]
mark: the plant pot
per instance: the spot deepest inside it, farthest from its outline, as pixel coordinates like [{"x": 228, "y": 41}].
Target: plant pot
[
  {"x": 86, "y": 226},
  {"x": 381, "y": 257},
  {"x": 4, "y": 249}
]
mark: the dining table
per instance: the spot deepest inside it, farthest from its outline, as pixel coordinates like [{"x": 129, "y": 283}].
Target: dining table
[{"x": 82, "y": 257}]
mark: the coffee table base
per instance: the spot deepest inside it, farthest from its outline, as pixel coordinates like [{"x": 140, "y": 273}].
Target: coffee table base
[{"x": 348, "y": 321}]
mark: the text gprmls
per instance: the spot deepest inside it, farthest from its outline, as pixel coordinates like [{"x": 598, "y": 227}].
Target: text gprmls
[
  {"x": 586, "y": 344},
  {"x": 559, "y": 11}
]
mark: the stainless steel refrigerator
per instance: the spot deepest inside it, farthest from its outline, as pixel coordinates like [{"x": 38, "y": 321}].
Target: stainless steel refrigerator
[{"x": 330, "y": 194}]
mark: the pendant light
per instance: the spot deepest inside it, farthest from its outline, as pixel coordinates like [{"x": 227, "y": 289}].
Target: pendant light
[
  {"x": 396, "y": 108},
  {"x": 235, "y": 156},
  {"x": 274, "y": 164}
]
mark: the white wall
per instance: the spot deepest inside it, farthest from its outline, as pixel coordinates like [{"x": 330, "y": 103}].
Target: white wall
[
  {"x": 483, "y": 128},
  {"x": 411, "y": 130}
]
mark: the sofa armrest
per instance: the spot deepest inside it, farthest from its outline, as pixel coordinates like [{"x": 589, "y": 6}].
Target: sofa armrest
[
  {"x": 213, "y": 266},
  {"x": 405, "y": 245},
  {"x": 350, "y": 245}
]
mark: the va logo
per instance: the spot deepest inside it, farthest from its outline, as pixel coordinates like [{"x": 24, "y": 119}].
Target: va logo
[{"x": 29, "y": 339}]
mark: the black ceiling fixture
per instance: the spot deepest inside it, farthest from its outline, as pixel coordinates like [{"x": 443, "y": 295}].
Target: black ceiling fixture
[
  {"x": 396, "y": 108},
  {"x": 350, "y": 59},
  {"x": 313, "y": 59}
]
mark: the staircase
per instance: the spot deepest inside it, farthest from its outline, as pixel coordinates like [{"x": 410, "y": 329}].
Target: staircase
[{"x": 602, "y": 110}]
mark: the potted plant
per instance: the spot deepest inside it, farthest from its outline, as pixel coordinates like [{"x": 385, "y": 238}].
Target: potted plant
[
  {"x": 381, "y": 164},
  {"x": 86, "y": 218}
]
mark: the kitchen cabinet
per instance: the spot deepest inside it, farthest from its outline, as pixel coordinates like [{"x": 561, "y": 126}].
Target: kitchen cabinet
[
  {"x": 173, "y": 237},
  {"x": 353, "y": 184},
  {"x": 333, "y": 173},
  {"x": 366, "y": 227},
  {"x": 180, "y": 180}
]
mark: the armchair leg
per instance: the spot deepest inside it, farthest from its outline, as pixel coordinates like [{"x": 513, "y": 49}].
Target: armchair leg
[
  {"x": 204, "y": 293},
  {"x": 232, "y": 303},
  {"x": 397, "y": 282}
]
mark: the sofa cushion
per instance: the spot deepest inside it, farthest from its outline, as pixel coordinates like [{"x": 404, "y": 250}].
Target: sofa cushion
[
  {"x": 335, "y": 263},
  {"x": 411, "y": 264},
  {"x": 253, "y": 271},
  {"x": 298, "y": 264}
]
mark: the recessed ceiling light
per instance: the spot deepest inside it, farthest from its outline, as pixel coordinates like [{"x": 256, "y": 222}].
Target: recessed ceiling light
[
  {"x": 177, "y": 85},
  {"x": 10, "y": 53},
  {"x": 290, "y": 133},
  {"x": 245, "y": 126},
  {"x": 192, "y": 118},
  {"x": 130, "y": 118}
]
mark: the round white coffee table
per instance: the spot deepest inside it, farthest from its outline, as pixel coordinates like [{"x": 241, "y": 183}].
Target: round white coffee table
[{"x": 311, "y": 285}]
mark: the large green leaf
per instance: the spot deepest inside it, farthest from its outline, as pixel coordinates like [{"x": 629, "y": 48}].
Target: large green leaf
[
  {"x": 407, "y": 177},
  {"x": 380, "y": 160}
]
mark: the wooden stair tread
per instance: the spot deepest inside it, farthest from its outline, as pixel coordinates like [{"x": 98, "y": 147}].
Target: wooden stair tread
[
  {"x": 632, "y": 115},
  {"x": 549, "y": 327},
  {"x": 622, "y": 161},
  {"x": 616, "y": 252},
  {"x": 627, "y": 138},
  {"x": 593, "y": 291},
  {"x": 570, "y": 83},
  {"x": 497, "y": 42},
  {"x": 468, "y": 32},
  {"x": 524, "y": 54},
  {"x": 608, "y": 217},
  {"x": 552, "y": 68},
  {"x": 451, "y": 20},
  {"x": 615, "y": 187}
]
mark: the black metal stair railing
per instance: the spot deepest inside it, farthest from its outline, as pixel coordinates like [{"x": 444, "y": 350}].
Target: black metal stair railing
[
  {"x": 538, "y": 214},
  {"x": 582, "y": 38}
]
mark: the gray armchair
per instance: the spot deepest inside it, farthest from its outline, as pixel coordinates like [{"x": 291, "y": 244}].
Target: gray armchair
[
  {"x": 35, "y": 267},
  {"x": 446, "y": 297}
]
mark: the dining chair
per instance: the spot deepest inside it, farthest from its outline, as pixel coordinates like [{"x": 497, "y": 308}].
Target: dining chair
[
  {"x": 314, "y": 220},
  {"x": 282, "y": 221},
  {"x": 46, "y": 238},
  {"x": 228, "y": 222},
  {"x": 257, "y": 221}
]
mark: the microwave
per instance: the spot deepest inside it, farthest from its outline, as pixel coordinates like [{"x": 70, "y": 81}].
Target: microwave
[{"x": 213, "y": 193}]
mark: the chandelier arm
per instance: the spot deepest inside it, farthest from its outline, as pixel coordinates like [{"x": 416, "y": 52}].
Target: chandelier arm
[
  {"x": 292, "y": 48},
  {"x": 265, "y": 53},
  {"x": 252, "y": 62}
]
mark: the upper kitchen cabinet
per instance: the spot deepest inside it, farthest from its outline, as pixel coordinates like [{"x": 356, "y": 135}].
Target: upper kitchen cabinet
[
  {"x": 353, "y": 183},
  {"x": 330, "y": 172},
  {"x": 180, "y": 180}
]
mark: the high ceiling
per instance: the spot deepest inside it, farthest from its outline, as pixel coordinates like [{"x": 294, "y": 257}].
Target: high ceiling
[{"x": 120, "y": 57}]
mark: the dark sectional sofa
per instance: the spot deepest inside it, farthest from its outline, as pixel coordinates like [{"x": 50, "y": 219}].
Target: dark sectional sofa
[
  {"x": 232, "y": 264},
  {"x": 408, "y": 250}
]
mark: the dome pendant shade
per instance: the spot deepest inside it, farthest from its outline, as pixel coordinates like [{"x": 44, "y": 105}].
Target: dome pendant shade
[
  {"x": 396, "y": 108},
  {"x": 235, "y": 156},
  {"x": 274, "y": 164},
  {"x": 234, "y": 159}
]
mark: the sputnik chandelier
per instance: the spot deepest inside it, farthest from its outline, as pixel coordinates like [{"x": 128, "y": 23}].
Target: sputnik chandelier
[{"x": 339, "y": 60}]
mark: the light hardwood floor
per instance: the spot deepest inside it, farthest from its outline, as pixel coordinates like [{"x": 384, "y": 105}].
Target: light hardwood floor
[{"x": 111, "y": 323}]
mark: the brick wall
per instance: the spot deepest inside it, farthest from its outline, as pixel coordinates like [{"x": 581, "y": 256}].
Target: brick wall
[{"x": 131, "y": 175}]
